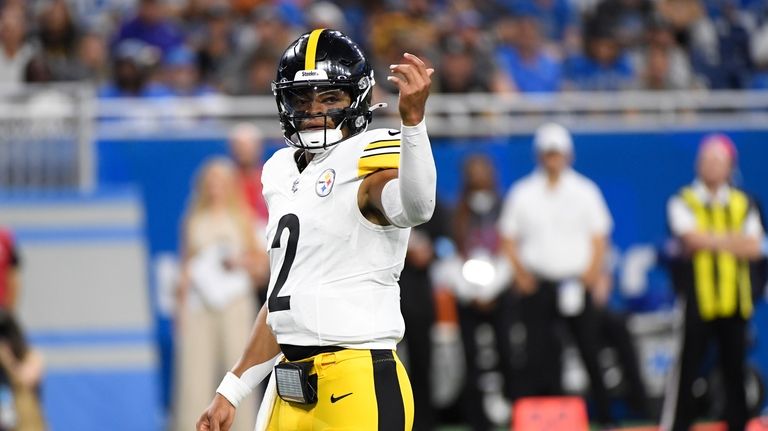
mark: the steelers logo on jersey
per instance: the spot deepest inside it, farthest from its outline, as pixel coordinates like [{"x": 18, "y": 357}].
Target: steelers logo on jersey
[{"x": 324, "y": 183}]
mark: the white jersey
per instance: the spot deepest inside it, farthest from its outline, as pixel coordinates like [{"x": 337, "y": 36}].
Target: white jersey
[{"x": 333, "y": 273}]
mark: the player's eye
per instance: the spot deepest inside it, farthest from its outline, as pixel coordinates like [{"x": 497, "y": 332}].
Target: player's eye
[
  {"x": 332, "y": 97},
  {"x": 329, "y": 100},
  {"x": 328, "y": 96},
  {"x": 301, "y": 103}
]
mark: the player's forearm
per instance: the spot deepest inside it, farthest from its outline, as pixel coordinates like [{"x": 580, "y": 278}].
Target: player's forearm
[
  {"x": 262, "y": 345},
  {"x": 409, "y": 200},
  {"x": 255, "y": 364}
]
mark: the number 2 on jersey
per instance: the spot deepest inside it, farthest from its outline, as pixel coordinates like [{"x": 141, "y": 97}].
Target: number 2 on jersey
[{"x": 290, "y": 222}]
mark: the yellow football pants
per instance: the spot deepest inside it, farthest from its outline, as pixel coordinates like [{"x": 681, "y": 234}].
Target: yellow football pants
[{"x": 357, "y": 390}]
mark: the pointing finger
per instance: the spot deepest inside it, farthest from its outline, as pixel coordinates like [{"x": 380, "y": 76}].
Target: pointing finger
[
  {"x": 417, "y": 63},
  {"x": 417, "y": 60},
  {"x": 410, "y": 73}
]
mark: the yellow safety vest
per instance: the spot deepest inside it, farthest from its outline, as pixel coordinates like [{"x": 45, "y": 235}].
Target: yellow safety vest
[{"x": 720, "y": 278}]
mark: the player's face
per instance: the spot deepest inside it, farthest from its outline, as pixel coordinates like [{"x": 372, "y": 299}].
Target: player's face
[{"x": 319, "y": 105}]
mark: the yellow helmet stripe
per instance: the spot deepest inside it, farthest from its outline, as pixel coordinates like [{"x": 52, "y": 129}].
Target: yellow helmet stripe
[{"x": 309, "y": 57}]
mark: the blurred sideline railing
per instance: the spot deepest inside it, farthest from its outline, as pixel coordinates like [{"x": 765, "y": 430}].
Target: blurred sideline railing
[{"x": 47, "y": 133}]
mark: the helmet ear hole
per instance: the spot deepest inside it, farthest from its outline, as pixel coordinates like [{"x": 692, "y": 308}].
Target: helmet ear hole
[{"x": 359, "y": 121}]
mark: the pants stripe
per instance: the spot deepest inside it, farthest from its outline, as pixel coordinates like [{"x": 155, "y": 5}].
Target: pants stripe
[{"x": 389, "y": 399}]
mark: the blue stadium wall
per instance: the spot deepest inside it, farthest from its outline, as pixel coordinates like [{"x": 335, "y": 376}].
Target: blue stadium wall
[{"x": 636, "y": 171}]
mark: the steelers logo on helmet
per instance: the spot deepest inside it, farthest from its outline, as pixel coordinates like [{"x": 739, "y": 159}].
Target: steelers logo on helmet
[{"x": 323, "y": 90}]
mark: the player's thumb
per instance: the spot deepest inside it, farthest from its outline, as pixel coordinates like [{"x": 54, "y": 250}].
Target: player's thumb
[
  {"x": 213, "y": 421},
  {"x": 203, "y": 423}
]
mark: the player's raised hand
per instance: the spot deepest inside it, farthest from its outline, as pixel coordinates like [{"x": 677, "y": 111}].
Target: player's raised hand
[
  {"x": 218, "y": 416},
  {"x": 412, "y": 78}
]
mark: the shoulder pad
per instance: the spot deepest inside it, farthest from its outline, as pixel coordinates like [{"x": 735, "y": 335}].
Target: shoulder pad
[{"x": 381, "y": 150}]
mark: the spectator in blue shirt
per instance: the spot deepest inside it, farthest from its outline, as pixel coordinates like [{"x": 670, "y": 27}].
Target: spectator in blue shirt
[
  {"x": 603, "y": 66},
  {"x": 555, "y": 17},
  {"x": 630, "y": 18},
  {"x": 131, "y": 72},
  {"x": 181, "y": 74},
  {"x": 734, "y": 47},
  {"x": 152, "y": 26},
  {"x": 530, "y": 67}
]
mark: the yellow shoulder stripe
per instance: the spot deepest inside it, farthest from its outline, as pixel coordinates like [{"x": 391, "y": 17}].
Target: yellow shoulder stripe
[
  {"x": 382, "y": 144},
  {"x": 370, "y": 164}
]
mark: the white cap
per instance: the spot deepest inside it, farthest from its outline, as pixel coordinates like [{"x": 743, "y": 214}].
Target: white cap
[{"x": 552, "y": 137}]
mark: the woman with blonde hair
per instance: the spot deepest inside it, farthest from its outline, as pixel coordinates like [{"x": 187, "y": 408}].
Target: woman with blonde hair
[{"x": 215, "y": 308}]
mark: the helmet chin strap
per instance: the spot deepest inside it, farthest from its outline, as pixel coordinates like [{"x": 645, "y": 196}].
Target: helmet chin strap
[{"x": 317, "y": 141}]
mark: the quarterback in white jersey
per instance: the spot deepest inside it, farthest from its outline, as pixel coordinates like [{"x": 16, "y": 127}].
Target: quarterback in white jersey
[
  {"x": 341, "y": 202},
  {"x": 341, "y": 287}
]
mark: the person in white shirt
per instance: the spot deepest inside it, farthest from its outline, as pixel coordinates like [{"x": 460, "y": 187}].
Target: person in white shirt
[
  {"x": 718, "y": 230},
  {"x": 555, "y": 225}
]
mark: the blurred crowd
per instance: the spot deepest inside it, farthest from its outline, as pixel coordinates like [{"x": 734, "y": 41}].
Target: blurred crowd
[{"x": 162, "y": 48}]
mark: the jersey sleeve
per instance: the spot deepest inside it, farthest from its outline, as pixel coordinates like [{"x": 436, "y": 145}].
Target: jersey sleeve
[{"x": 381, "y": 152}]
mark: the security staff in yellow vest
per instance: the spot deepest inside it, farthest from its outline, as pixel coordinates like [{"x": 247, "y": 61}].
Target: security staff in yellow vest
[{"x": 719, "y": 232}]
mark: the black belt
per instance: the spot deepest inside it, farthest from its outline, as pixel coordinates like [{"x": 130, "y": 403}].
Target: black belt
[{"x": 298, "y": 353}]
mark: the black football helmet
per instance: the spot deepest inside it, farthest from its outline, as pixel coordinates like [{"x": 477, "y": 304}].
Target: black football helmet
[{"x": 323, "y": 61}]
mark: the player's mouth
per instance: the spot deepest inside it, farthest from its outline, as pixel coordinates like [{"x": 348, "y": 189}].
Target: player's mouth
[{"x": 313, "y": 127}]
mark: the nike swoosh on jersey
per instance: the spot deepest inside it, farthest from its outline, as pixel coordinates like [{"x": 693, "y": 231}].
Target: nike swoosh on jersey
[
  {"x": 393, "y": 133},
  {"x": 334, "y": 399}
]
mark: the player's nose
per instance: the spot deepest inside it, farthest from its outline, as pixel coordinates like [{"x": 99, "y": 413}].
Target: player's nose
[{"x": 317, "y": 108}]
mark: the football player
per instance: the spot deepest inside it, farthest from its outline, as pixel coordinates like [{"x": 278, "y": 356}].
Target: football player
[{"x": 341, "y": 201}]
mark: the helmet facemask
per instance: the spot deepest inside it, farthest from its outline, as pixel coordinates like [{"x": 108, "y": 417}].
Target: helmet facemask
[{"x": 296, "y": 98}]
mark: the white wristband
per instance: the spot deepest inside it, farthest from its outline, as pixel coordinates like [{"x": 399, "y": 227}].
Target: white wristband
[{"x": 233, "y": 389}]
